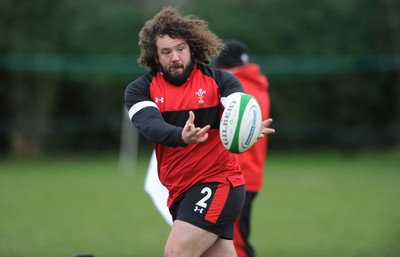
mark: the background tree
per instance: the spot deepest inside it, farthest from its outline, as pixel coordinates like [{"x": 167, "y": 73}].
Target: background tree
[{"x": 333, "y": 68}]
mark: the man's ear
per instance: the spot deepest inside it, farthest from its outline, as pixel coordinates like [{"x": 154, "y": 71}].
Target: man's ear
[{"x": 156, "y": 59}]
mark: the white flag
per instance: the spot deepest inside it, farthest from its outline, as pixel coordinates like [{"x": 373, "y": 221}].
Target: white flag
[{"x": 156, "y": 190}]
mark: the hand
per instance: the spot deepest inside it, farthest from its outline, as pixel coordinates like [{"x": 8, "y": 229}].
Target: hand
[
  {"x": 193, "y": 135},
  {"x": 265, "y": 129}
]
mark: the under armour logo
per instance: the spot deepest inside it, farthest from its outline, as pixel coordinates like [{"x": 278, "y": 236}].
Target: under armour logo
[
  {"x": 159, "y": 99},
  {"x": 196, "y": 208}
]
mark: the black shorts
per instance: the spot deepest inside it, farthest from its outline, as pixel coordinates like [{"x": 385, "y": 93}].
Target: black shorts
[{"x": 211, "y": 206}]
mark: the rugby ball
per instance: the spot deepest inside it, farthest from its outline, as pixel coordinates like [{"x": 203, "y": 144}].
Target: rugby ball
[{"x": 240, "y": 123}]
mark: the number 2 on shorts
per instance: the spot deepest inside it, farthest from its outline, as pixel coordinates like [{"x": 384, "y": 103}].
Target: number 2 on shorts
[{"x": 208, "y": 192}]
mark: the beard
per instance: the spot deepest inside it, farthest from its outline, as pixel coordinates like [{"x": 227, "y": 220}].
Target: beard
[{"x": 179, "y": 79}]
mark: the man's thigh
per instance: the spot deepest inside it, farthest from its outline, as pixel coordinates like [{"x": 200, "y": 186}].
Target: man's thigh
[
  {"x": 187, "y": 240},
  {"x": 221, "y": 248}
]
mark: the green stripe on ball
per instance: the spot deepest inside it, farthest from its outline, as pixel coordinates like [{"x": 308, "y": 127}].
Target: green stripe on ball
[{"x": 244, "y": 99}]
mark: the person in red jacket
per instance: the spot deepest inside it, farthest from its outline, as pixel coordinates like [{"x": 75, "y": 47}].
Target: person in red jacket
[{"x": 235, "y": 60}]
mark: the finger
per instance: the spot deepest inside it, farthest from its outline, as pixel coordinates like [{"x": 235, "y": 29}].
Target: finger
[
  {"x": 265, "y": 127},
  {"x": 189, "y": 125},
  {"x": 267, "y": 122},
  {"x": 200, "y": 135},
  {"x": 190, "y": 120},
  {"x": 268, "y": 131},
  {"x": 203, "y": 130}
]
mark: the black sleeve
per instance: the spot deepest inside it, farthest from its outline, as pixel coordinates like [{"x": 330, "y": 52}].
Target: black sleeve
[
  {"x": 152, "y": 126},
  {"x": 148, "y": 119}
]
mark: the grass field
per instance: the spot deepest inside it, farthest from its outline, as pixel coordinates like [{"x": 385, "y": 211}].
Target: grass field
[{"x": 313, "y": 205}]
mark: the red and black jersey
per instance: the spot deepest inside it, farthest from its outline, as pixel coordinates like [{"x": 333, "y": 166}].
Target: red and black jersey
[{"x": 160, "y": 110}]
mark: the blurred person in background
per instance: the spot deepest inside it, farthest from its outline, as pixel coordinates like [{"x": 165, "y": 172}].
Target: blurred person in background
[{"x": 235, "y": 59}]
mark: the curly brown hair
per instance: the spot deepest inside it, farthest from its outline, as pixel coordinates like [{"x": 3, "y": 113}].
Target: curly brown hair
[{"x": 203, "y": 43}]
